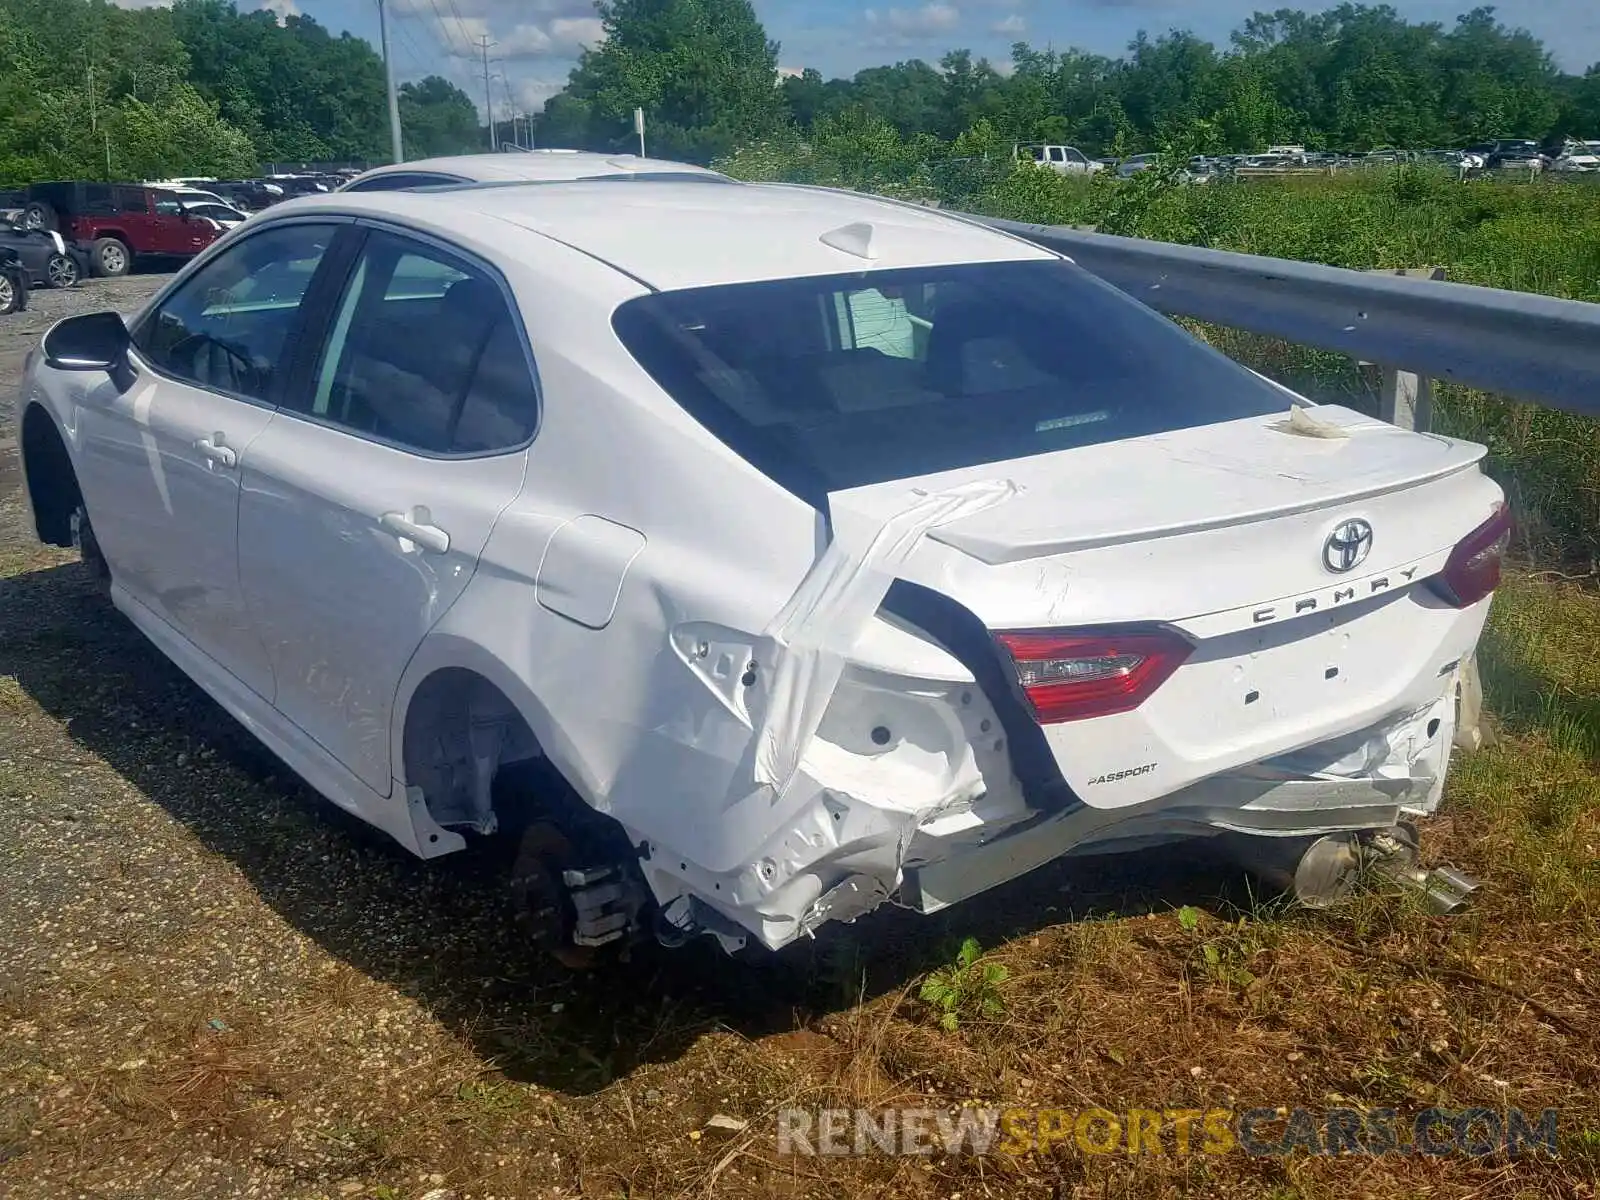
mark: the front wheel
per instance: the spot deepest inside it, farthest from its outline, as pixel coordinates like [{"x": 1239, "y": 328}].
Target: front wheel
[
  {"x": 89, "y": 548},
  {"x": 110, "y": 258},
  {"x": 61, "y": 271}
]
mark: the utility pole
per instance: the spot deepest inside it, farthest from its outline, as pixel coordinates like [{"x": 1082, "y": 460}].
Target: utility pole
[
  {"x": 488, "y": 96},
  {"x": 511, "y": 108},
  {"x": 388, "y": 74}
]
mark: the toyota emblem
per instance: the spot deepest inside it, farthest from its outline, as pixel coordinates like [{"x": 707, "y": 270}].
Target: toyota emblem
[{"x": 1347, "y": 546}]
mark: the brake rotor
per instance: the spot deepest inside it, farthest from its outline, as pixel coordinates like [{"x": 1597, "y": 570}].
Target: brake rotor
[{"x": 544, "y": 906}]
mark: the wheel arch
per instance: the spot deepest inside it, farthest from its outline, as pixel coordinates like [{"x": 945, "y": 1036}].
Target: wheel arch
[
  {"x": 447, "y": 669},
  {"x": 50, "y": 478}
]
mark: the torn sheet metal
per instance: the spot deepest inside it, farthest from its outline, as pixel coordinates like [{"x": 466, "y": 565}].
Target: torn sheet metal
[{"x": 808, "y": 640}]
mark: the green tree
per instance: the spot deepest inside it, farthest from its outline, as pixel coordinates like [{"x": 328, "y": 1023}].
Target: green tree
[
  {"x": 703, "y": 71},
  {"x": 182, "y": 130},
  {"x": 437, "y": 117}
]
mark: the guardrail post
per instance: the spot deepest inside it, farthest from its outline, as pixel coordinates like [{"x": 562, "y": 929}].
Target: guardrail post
[{"x": 1404, "y": 397}]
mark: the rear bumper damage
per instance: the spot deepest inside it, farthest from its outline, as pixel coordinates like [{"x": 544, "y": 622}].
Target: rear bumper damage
[
  {"x": 1362, "y": 782},
  {"x": 870, "y": 769},
  {"x": 847, "y": 854}
]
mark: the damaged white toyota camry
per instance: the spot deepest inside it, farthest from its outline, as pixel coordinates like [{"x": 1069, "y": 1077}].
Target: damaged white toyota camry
[{"x": 832, "y": 551}]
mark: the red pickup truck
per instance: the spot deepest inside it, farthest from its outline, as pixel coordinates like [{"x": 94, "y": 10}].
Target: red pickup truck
[{"x": 115, "y": 223}]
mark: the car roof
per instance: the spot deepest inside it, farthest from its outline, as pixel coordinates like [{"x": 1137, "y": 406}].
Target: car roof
[
  {"x": 682, "y": 234},
  {"x": 533, "y": 165}
]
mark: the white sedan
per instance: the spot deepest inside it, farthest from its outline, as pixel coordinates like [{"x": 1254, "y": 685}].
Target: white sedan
[
  {"x": 831, "y": 550},
  {"x": 549, "y": 165}
]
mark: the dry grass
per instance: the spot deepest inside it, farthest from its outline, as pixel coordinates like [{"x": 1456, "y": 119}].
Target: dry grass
[{"x": 212, "y": 986}]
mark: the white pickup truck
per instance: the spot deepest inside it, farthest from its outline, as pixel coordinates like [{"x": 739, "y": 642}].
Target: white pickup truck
[{"x": 1066, "y": 160}]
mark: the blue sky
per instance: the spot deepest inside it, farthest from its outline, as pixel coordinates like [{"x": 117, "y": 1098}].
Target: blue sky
[{"x": 537, "y": 40}]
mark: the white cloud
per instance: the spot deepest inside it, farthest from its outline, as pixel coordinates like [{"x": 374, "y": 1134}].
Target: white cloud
[
  {"x": 283, "y": 8},
  {"x": 577, "y": 32},
  {"x": 532, "y": 93},
  {"x": 1012, "y": 26},
  {"x": 520, "y": 41},
  {"x": 561, "y": 37},
  {"x": 930, "y": 19}
]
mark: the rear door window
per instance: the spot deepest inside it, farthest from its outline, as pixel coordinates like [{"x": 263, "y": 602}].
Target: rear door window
[
  {"x": 425, "y": 352},
  {"x": 838, "y": 381}
]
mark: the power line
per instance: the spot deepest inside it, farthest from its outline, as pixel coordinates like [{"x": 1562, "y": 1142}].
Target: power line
[
  {"x": 419, "y": 58},
  {"x": 460, "y": 24},
  {"x": 444, "y": 29}
]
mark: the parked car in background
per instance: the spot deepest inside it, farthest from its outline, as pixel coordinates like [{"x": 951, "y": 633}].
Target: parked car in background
[
  {"x": 13, "y": 283},
  {"x": 1136, "y": 163},
  {"x": 44, "y": 254},
  {"x": 1064, "y": 160},
  {"x": 116, "y": 224},
  {"x": 249, "y": 195},
  {"x": 1578, "y": 157},
  {"x": 301, "y": 185},
  {"x": 526, "y": 166},
  {"x": 1515, "y": 155},
  {"x": 930, "y": 557},
  {"x": 225, "y": 216}
]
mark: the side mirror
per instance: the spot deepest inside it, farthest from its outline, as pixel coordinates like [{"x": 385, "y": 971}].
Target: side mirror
[{"x": 93, "y": 342}]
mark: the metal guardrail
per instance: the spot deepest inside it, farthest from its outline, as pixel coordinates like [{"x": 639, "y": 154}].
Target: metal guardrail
[{"x": 1516, "y": 344}]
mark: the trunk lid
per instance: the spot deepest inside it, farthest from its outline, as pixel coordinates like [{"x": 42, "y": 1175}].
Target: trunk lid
[{"x": 1222, "y": 533}]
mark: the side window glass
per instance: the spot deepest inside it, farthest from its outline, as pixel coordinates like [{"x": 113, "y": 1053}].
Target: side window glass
[
  {"x": 132, "y": 200},
  {"x": 226, "y": 326},
  {"x": 98, "y": 200},
  {"x": 168, "y": 208},
  {"x": 1057, "y": 154},
  {"x": 425, "y": 352}
]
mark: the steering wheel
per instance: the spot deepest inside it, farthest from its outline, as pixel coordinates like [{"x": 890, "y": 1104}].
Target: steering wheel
[{"x": 244, "y": 375}]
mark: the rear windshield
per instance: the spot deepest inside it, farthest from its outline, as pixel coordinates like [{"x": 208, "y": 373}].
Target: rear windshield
[{"x": 837, "y": 381}]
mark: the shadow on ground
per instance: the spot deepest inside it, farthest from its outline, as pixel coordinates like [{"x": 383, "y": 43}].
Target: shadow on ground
[{"x": 442, "y": 931}]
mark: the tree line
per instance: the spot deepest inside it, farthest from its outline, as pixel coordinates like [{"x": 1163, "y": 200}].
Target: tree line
[
  {"x": 88, "y": 89},
  {"x": 91, "y": 90},
  {"x": 1353, "y": 77}
]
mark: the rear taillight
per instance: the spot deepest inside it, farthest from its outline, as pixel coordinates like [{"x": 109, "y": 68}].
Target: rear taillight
[
  {"x": 1068, "y": 675},
  {"x": 1473, "y": 568}
]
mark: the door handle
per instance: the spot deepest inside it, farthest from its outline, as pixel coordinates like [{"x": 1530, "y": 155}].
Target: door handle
[
  {"x": 418, "y": 528},
  {"x": 216, "y": 449}
]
